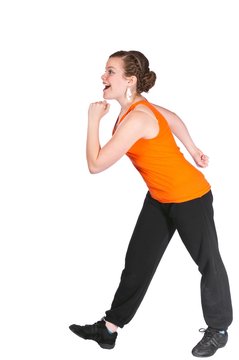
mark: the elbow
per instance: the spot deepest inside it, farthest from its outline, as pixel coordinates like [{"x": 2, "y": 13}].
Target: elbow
[
  {"x": 96, "y": 167},
  {"x": 93, "y": 169}
]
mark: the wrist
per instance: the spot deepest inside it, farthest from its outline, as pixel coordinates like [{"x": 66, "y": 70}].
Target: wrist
[
  {"x": 95, "y": 119},
  {"x": 193, "y": 150},
  {"x": 93, "y": 123}
]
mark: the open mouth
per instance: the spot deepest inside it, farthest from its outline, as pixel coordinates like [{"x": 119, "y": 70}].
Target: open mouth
[{"x": 106, "y": 87}]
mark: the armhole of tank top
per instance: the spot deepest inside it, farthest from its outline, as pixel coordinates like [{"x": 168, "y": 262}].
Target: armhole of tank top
[
  {"x": 119, "y": 120},
  {"x": 115, "y": 125},
  {"x": 157, "y": 114},
  {"x": 146, "y": 103}
]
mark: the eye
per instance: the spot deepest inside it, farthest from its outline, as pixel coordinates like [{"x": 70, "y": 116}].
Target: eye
[{"x": 110, "y": 71}]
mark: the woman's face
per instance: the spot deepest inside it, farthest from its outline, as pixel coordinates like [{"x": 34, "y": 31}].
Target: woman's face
[{"x": 114, "y": 80}]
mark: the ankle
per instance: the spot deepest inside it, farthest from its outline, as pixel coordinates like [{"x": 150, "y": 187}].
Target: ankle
[{"x": 111, "y": 327}]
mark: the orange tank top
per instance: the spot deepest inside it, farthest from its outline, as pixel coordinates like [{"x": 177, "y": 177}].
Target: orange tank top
[{"x": 169, "y": 177}]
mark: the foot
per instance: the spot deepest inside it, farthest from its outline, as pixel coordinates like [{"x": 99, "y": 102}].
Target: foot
[
  {"x": 210, "y": 343},
  {"x": 97, "y": 332}
]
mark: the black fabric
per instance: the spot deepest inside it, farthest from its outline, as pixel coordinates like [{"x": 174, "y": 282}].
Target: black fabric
[
  {"x": 210, "y": 343},
  {"x": 97, "y": 332},
  {"x": 155, "y": 227}
]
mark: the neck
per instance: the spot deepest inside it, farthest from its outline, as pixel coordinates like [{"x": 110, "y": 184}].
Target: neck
[{"x": 125, "y": 105}]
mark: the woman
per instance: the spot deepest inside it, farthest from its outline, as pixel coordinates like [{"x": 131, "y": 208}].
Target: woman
[{"x": 179, "y": 198}]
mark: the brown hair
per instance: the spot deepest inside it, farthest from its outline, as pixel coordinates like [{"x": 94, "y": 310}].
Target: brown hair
[{"x": 136, "y": 64}]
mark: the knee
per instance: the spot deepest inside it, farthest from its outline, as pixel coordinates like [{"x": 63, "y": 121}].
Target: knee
[
  {"x": 131, "y": 278},
  {"x": 212, "y": 264}
]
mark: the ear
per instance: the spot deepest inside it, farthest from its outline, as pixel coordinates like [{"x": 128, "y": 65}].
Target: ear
[{"x": 132, "y": 80}]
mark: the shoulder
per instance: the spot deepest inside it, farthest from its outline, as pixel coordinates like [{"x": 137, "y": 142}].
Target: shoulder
[
  {"x": 140, "y": 121},
  {"x": 143, "y": 112},
  {"x": 144, "y": 118},
  {"x": 169, "y": 115},
  {"x": 133, "y": 123},
  {"x": 165, "y": 112},
  {"x": 138, "y": 116}
]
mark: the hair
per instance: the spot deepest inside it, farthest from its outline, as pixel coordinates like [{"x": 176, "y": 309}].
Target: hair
[{"x": 136, "y": 64}]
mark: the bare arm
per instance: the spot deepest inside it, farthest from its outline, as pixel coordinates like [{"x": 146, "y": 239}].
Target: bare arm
[
  {"x": 100, "y": 158},
  {"x": 180, "y": 130}
]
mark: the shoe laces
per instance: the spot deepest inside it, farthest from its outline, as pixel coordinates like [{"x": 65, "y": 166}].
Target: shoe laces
[
  {"x": 208, "y": 335},
  {"x": 97, "y": 324}
]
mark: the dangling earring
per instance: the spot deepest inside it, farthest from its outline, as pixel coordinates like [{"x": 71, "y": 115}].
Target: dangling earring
[{"x": 129, "y": 94}]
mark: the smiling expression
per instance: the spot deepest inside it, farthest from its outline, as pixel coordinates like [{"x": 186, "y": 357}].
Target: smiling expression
[{"x": 114, "y": 79}]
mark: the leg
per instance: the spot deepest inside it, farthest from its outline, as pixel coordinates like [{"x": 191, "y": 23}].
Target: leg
[
  {"x": 150, "y": 238},
  {"x": 195, "y": 224}
]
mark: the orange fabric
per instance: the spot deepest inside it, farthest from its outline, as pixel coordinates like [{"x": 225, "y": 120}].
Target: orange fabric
[{"x": 169, "y": 177}]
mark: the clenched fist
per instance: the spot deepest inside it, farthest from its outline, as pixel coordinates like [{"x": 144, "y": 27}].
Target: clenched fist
[{"x": 98, "y": 109}]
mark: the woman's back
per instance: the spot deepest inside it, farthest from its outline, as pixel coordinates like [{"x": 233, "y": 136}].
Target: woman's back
[{"x": 168, "y": 175}]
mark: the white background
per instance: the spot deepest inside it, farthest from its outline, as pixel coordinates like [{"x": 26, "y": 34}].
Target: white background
[{"x": 64, "y": 232}]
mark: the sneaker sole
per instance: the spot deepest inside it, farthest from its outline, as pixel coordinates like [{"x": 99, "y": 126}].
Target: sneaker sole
[
  {"x": 106, "y": 346},
  {"x": 204, "y": 356},
  {"x": 103, "y": 346}
]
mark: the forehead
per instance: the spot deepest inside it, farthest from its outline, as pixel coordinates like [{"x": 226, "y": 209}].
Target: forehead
[{"x": 116, "y": 63}]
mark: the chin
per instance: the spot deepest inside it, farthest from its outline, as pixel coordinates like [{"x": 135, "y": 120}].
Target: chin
[{"x": 106, "y": 97}]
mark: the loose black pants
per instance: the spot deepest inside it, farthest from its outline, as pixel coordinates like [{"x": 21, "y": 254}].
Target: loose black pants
[{"x": 155, "y": 227}]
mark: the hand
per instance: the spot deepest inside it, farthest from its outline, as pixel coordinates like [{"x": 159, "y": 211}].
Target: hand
[
  {"x": 200, "y": 159},
  {"x": 98, "y": 109}
]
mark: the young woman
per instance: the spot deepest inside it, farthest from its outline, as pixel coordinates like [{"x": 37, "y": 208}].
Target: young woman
[{"x": 179, "y": 198}]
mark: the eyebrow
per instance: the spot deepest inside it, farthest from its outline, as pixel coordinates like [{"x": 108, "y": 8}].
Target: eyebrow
[{"x": 110, "y": 67}]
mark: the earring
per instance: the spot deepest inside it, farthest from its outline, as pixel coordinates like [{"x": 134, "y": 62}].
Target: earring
[{"x": 128, "y": 94}]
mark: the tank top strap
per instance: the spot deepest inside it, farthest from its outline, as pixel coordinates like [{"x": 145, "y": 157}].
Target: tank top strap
[
  {"x": 145, "y": 102},
  {"x": 161, "y": 119}
]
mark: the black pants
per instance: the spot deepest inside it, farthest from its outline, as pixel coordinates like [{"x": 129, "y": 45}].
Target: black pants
[{"x": 155, "y": 227}]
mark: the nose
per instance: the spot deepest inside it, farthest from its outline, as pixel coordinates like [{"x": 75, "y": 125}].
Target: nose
[{"x": 103, "y": 77}]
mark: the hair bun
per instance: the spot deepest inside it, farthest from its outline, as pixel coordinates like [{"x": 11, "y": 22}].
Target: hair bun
[{"x": 148, "y": 81}]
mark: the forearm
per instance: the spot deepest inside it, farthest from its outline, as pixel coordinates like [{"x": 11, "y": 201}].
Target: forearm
[
  {"x": 92, "y": 144},
  {"x": 95, "y": 113},
  {"x": 180, "y": 130}
]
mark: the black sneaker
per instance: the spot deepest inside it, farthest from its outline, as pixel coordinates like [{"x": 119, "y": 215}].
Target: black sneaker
[
  {"x": 97, "y": 332},
  {"x": 212, "y": 340}
]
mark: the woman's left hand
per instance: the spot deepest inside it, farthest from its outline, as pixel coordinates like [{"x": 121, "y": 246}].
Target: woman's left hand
[{"x": 201, "y": 159}]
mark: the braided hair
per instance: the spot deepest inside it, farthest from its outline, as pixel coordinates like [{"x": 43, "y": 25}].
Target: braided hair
[{"x": 136, "y": 64}]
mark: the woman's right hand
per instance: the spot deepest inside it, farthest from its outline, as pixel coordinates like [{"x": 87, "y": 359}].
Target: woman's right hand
[{"x": 98, "y": 109}]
